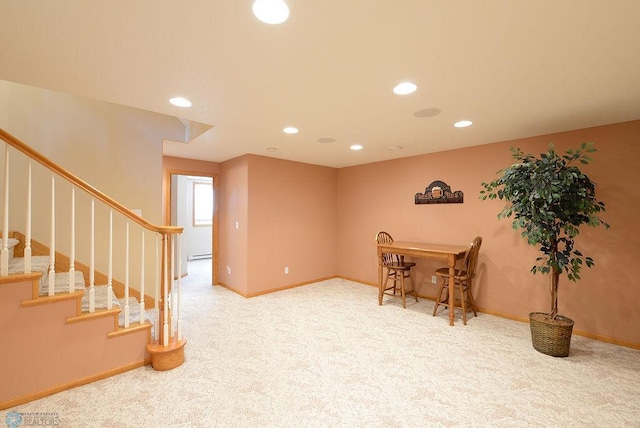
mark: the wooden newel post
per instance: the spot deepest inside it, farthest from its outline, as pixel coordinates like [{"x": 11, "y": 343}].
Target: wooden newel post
[{"x": 167, "y": 353}]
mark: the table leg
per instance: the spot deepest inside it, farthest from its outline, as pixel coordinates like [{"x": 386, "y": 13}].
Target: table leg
[
  {"x": 379, "y": 278},
  {"x": 452, "y": 273}
]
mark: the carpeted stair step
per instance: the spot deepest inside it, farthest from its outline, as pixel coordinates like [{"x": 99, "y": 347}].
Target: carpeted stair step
[
  {"x": 61, "y": 285},
  {"x": 38, "y": 264},
  {"x": 134, "y": 313},
  {"x": 100, "y": 298}
]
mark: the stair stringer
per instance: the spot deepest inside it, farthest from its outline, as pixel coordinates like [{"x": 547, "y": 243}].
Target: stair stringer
[{"x": 51, "y": 347}]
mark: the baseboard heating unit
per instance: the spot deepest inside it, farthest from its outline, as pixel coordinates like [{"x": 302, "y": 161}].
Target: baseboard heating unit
[{"x": 199, "y": 256}]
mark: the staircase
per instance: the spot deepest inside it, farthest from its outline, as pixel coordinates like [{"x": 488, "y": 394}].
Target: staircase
[
  {"x": 63, "y": 323},
  {"x": 104, "y": 296}
]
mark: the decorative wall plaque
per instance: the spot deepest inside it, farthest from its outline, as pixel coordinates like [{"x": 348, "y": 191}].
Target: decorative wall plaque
[{"x": 439, "y": 192}]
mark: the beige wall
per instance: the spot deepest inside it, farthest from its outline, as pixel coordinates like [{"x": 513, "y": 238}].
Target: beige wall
[
  {"x": 180, "y": 166},
  {"x": 188, "y": 166},
  {"x": 233, "y": 198},
  {"x": 115, "y": 149},
  {"x": 286, "y": 217},
  {"x": 292, "y": 223},
  {"x": 380, "y": 196}
]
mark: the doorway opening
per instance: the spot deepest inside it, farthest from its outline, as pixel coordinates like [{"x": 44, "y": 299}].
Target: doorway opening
[{"x": 191, "y": 203}]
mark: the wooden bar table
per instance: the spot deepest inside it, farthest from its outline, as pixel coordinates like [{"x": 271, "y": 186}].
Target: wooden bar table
[{"x": 447, "y": 253}]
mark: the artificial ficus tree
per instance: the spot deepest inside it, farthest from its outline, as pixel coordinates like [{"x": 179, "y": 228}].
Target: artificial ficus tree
[{"x": 549, "y": 198}]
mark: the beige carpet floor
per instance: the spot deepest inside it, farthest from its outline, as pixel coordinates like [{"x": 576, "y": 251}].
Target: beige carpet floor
[{"x": 326, "y": 355}]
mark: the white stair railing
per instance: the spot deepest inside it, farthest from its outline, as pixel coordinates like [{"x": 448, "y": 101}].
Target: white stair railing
[
  {"x": 126, "y": 278},
  {"x": 110, "y": 274},
  {"x": 27, "y": 234},
  {"x": 156, "y": 333},
  {"x": 165, "y": 303},
  {"x": 52, "y": 241},
  {"x": 172, "y": 301},
  {"x": 178, "y": 299},
  {"x": 72, "y": 254},
  {"x": 92, "y": 259},
  {"x": 4, "y": 253},
  {"x": 167, "y": 241},
  {"x": 142, "y": 304}
]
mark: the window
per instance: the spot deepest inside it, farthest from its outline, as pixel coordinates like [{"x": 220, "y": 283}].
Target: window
[{"x": 202, "y": 203}]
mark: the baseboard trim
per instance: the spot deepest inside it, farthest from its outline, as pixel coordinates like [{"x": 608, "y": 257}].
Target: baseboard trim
[
  {"x": 79, "y": 382},
  {"x": 274, "y": 290},
  {"x": 599, "y": 337},
  {"x": 373, "y": 284},
  {"x": 288, "y": 287},
  {"x": 608, "y": 339}
]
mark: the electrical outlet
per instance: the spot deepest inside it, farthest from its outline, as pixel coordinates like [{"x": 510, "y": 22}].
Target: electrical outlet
[
  {"x": 434, "y": 279},
  {"x": 286, "y": 270},
  {"x": 228, "y": 270}
]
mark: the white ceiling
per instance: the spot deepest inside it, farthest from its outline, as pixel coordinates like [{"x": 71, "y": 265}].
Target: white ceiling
[{"x": 516, "y": 68}]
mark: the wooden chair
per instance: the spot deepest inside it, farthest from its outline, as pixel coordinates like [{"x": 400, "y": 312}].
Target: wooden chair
[
  {"x": 463, "y": 279},
  {"x": 397, "y": 271}
]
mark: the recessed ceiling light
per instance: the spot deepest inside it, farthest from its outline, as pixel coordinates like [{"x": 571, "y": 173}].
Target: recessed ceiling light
[
  {"x": 394, "y": 148},
  {"x": 356, "y": 147},
  {"x": 180, "y": 102},
  {"x": 271, "y": 11},
  {"x": 290, "y": 130},
  {"x": 463, "y": 124},
  {"x": 271, "y": 149},
  {"x": 405, "y": 88},
  {"x": 326, "y": 140}
]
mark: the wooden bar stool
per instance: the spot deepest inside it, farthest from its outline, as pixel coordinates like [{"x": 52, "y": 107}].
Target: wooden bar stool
[
  {"x": 462, "y": 281},
  {"x": 397, "y": 270}
]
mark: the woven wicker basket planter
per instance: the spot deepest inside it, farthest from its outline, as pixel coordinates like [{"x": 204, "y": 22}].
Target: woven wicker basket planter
[{"x": 551, "y": 337}]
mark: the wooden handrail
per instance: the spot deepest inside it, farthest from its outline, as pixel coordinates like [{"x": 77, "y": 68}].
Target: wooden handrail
[{"x": 22, "y": 147}]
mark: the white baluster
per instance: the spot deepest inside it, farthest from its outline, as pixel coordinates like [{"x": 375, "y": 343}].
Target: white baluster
[
  {"x": 110, "y": 271},
  {"x": 156, "y": 332},
  {"x": 165, "y": 303},
  {"x": 142, "y": 306},
  {"x": 27, "y": 235},
  {"x": 52, "y": 245},
  {"x": 92, "y": 255},
  {"x": 172, "y": 293},
  {"x": 179, "y": 302},
  {"x": 4, "y": 253},
  {"x": 126, "y": 278},
  {"x": 72, "y": 255}
]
